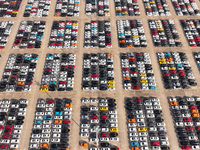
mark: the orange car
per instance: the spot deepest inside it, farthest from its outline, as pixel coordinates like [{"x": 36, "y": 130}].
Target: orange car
[
  {"x": 122, "y": 41},
  {"x": 68, "y": 105},
  {"x": 173, "y": 103},
  {"x": 169, "y": 59},
  {"x": 194, "y": 111},
  {"x": 44, "y": 86},
  {"x": 135, "y": 148},
  {"x": 15, "y": 44},
  {"x": 130, "y": 45},
  {"x": 84, "y": 144},
  {"x": 131, "y": 57},
  {"x": 126, "y": 78},
  {"x": 57, "y": 15},
  {"x": 57, "y": 121},
  {"x": 44, "y": 145},
  {"x": 195, "y": 115},
  {"x": 131, "y": 120},
  {"x": 73, "y": 44},
  {"x": 20, "y": 83},
  {"x": 110, "y": 54}
]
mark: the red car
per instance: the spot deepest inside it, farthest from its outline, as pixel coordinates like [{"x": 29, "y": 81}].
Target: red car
[
  {"x": 166, "y": 74},
  {"x": 62, "y": 82},
  {"x": 138, "y": 100},
  {"x": 185, "y": 147},
  {"x": 50, "y": 101},
  {"x": 193, "y": 107},
  {"x": 139, "y": 54},
  {"x": 6, "y": 136},
  {"x": 104, "y": 134},
  {"x": 133, "y": 72},
  {"x": 1, "y": 127},
  {"x": 30, "y": 46},
  {"x": 187, "y": 120},
  {"x": 94, "y": 117},
  {"x": 131, "y": 60},
  {"x": 198, "y": 128},
  {"x": 8, "y": 132},
  {"x": 135, "y": 87},
  {"x": 189, "y": 128},
  {"x": 66, "y": 122},
  {"x": 4, "y": 146},
  {"x": 156, "y": 143},
  {"x": 64, "y": 67},
  {"x": 14, "y": 76},
  {"x": 7, "y": 70},
  {"x": 94, "y": 75},
  {"x": 172, "y": 71},
  {"x": 9, "y": 127},
  {"x": 71, "y": 66},
  {"x": 104, "y": 117},
  {"x": 52, "y": 44},
  {"x": 47, "y": 70},
  {"x": 125, "y": 69},
  {"x": 29, "y": 83}
]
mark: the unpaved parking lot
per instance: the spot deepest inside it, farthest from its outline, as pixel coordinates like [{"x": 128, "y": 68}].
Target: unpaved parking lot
[{"x": 119, "y": 94}]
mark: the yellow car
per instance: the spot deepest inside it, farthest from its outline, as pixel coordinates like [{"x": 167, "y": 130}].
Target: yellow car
[
  {"x": 106, "y": 13},
  {"x": 143, "y": 81},
  {"x": 44, "y": 89},
  {"x": 142, "y": 74},
  {"x": 135, "y": 36},
  {"x": 74, "y": 23},
  {"x": 125, "y": 13},
  {"x": 162, "y": 59},
  {"x": 142, "y": 129},
  {"x": 160, "y": 29},
  {"x": 118, "y": 9},
  {"x": 15, "y": 12},
  {"x": 103, "y": 108},
  {"x": 114, "y": 130},
  {"x": 163, "y": 62},
  {"x": 158, "y": 22},
  {"x": 111, "y": 82},
  {"x": 172, "y": 68},
  {"x": 111, "y": 85},
  {"x": 148, "y": 7},
  {"x": 152, "y": 2}
]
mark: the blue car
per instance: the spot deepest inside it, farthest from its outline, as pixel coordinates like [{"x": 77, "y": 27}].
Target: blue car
[
  {"x": 119, "y": 14},
  {"x": 49, "y": 55},
  {"x": 27, "y": 58},
  {"x": 35, "y": 58},
  {"x": 68, "y": 26},
  {"x": 153, "y": 88},
  {"x": 39, "y": 37},
  {"x": 58, "y": 113},
  {"x": 59, "y": 34},
  {"x": 168, "y": 54},
  {"x": 47, "y": 117},
  {"x": 33, "y": 34},
  {"x": 53, "y": 82},
  {"x": 38, "y": 122},
  {"x": 134, "y": 144},
  {"x": 179, "y": 65}
]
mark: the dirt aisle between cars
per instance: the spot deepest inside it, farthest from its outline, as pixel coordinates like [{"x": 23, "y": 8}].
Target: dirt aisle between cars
[{"x": 119, "y": 93}]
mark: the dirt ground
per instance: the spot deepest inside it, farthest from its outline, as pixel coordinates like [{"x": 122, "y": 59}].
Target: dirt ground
[{"x": 119, "y": 93}]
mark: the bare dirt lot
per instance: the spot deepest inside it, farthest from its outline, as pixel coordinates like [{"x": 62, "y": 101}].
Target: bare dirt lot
[{"x": 119, "y": 93}]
